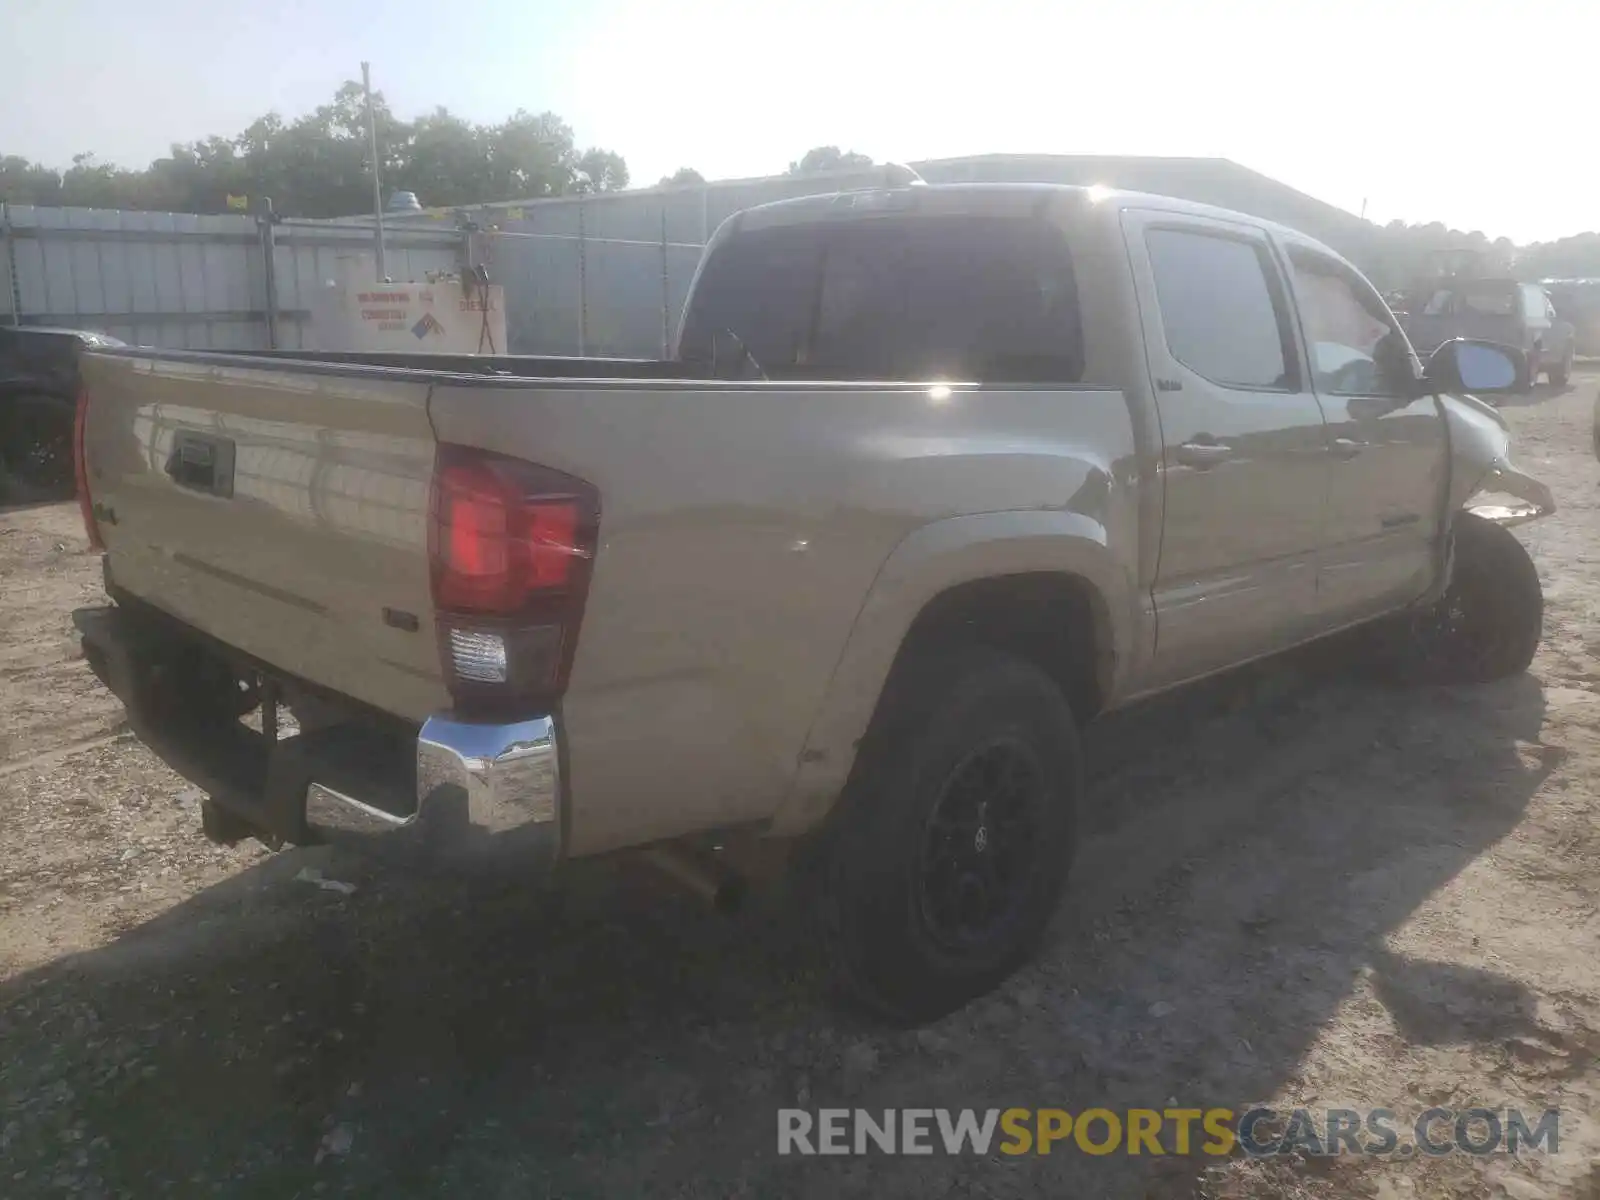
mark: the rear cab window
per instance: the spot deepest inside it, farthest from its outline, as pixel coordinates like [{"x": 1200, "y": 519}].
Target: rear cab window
[{"x": 904, "y": 296}]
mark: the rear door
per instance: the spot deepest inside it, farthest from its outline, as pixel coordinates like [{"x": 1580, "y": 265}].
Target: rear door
[
  {"x": 1244, "y": 454},
  {"x": 1387, "y": 451}
]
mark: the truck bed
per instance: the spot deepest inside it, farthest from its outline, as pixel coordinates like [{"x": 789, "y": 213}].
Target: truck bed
[{"x": 302, "y": 536}]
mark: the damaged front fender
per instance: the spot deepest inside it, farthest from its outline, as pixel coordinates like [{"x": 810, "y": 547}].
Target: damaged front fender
[{"x": 1482, "y": 476}]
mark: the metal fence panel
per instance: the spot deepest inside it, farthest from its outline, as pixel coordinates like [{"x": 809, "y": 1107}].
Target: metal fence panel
[
  {"x": 599, "y": 275},
  {"x": 611, "y": 298},
  {"x": 543, "y": 305},
  {"x": 179, "y": 280},
  {"x": 158, "y": 278},
  {"x": 625, "y": 300},
  {"x": 29, "y": 257}
]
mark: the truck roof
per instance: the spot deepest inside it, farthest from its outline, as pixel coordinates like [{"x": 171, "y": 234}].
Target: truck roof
[{"x": 989, "y": 198}]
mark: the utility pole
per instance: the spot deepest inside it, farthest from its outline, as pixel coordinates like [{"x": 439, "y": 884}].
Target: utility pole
[{"x": 377, "y": 183}]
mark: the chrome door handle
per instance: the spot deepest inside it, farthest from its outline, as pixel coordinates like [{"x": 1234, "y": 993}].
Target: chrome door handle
[
  {"x": 1202, "y": 454},
  {"x": 1347, "y": 447}
]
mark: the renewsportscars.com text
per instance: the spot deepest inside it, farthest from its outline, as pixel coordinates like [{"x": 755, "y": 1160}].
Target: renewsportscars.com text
[{"x": 1257, "y": 1132}]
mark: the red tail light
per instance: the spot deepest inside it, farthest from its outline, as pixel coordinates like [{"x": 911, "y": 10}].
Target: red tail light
[
  {"x": 80, "y": 471},
  {"x": 511, "y": 545}
]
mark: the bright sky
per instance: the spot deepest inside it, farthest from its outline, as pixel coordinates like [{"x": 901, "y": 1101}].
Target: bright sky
[{"x": 1478, "y": 113}]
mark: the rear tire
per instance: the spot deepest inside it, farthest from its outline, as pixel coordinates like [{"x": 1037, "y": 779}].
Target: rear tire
[
  {"x": 954, "y": 837},
  {"x": 1488, "y": 624}
]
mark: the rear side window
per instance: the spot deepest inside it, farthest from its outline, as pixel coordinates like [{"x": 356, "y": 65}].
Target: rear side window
[
  {"x": 901, "y": 297},
  {"x": 1222, "y": 315}
]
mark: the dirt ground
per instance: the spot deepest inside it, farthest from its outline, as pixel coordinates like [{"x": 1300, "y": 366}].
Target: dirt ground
[{"x": 1298, "y": 889}]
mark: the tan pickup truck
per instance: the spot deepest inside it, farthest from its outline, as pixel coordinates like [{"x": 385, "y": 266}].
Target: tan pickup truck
[{"x": 935, "y": 476}]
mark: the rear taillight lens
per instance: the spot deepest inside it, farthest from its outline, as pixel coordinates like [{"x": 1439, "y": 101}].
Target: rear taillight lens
[
  {"x": 511, "y": 545},
  {"x": 80, "y": 470}
]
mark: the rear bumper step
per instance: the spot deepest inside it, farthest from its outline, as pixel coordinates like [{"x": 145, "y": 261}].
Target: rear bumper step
[{"x": 453, "y": 789}]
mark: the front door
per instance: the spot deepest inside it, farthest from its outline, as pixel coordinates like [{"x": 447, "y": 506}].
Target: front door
[
  {"x": 1388, "y": 456},
  {"x": 1244, "y": 455}
]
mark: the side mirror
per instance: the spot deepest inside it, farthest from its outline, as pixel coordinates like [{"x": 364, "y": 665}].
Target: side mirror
[{"x": 1465, "y": 365}]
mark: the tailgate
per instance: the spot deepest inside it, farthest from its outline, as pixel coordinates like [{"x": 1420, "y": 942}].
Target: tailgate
[{"x": 281, "y": 509}]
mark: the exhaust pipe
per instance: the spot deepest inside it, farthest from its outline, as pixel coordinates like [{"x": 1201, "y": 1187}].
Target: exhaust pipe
[{"x": 701, "y": 874}]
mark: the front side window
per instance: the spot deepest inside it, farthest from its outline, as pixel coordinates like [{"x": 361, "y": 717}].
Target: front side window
[
  {"x": 1356, "y": 348},
  {"x": 1221, "y": 318}
]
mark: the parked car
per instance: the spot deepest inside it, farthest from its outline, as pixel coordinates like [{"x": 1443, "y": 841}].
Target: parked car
[
  {"x": 1498, "y": 310},
  {"x": 38, "y": 391},
  {"x": 1577, "y": 301},
  {"x": 935, "y": 476}
]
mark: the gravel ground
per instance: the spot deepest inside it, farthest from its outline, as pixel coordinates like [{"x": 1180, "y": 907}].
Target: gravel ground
[{"x": 1298, "y": 889}]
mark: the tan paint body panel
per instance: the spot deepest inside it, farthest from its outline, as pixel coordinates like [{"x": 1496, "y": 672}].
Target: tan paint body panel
[{"x": 743, "y": 529}]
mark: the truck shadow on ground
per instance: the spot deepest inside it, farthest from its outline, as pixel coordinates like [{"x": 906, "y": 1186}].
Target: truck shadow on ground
[{"x": 1251, "y": 845}]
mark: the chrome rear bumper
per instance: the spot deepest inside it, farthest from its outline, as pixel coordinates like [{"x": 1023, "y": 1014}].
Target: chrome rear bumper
[
  {"x": 478, "y": 786},
  {"x": 454, "y": 789}
]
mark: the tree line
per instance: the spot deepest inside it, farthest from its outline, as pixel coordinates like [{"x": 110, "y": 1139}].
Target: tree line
[
  {"x": 317, "y": 166},
  {"x": 1398, "y": 256}
]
